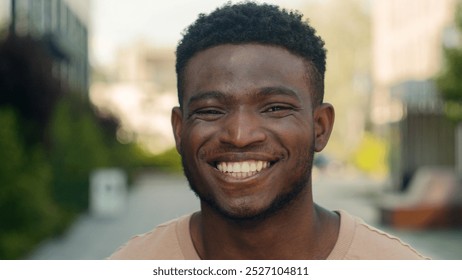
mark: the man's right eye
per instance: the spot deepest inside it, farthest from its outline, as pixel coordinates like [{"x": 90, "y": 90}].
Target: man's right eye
[{"x": 208, "y": 112}]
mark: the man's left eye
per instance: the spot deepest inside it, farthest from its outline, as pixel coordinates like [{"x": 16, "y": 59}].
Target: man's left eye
[{"x": 276, "y": 108}]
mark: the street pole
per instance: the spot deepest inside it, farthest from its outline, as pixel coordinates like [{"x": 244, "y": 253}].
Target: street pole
[{"x": 13, "y": 18}]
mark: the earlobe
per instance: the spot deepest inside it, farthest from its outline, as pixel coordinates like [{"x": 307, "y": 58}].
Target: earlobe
[
  {"x": 177, "y": 126},
  {"x": 324, "y": 117}
]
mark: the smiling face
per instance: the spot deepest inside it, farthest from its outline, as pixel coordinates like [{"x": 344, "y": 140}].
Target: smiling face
[{"x": 247, "y": 128}]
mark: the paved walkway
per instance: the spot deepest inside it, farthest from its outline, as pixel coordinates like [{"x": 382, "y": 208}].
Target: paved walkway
[
  {"x": 151, "y": 201},
  {"x": 158, "y": 198}
]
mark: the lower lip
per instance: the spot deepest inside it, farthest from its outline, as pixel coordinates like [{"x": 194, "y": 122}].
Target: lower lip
[{"x": 241, "y": 175}]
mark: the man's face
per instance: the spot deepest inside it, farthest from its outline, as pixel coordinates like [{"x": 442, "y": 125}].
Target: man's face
[{"x": 248, "y": 129}]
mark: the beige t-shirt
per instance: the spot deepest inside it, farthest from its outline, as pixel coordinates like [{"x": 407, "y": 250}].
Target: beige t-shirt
[{"x": 356, "y": 241}]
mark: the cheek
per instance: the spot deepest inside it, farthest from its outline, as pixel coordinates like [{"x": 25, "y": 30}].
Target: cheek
[
  {"x": 297, "y": 138},
  {"x": 194, "y": 138},
  {"x": 294, "y": 134}
]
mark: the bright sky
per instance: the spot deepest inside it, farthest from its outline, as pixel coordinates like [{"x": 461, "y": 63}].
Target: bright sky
[{"x": 117, "y": 22}]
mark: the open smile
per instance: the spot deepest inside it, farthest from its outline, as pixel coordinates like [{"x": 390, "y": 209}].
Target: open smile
[{"x": 243, "y": 169}]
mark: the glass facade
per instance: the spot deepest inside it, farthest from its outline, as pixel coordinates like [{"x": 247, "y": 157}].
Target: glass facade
[{"x": 56, "y": 22}]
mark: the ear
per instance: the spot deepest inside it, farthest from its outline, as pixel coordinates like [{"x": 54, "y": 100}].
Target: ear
[
  {"x": 177, "y": 126},
  {"x": 324, "y": 116}
]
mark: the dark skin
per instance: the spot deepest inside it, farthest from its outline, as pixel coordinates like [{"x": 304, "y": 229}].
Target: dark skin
[{"x": 247, "y": 131}]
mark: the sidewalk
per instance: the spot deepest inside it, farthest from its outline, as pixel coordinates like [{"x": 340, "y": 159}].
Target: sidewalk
[
  {"x": 157, "y": 198},
  {"x": 151, "y": 201}
]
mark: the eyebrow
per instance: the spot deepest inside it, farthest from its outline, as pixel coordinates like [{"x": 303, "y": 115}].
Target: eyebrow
[
  {"x": 206, "y": 95},
  {"x": 262, "y": 92},
  {"x": 278, "y": 90}
]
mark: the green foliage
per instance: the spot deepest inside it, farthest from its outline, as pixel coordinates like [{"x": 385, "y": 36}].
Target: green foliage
[
  {"x": 169, "y": 161},
  {"x": 77, "y": 148},
  {"x": 458, "y": 15},
  {"x": 50, "y": 142},
  {"x": 449, "y": 81},
  {"x": 82, "y": 141},
  {"x": 28, "y": 213},
  {"x": 26, "y": 84}
]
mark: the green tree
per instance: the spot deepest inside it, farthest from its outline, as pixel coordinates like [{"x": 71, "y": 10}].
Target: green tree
[
  {"x": 50, "y": 142},
  {"x": 449, "y": 81},
  {"x": 77, "y": 147},
  {"x": 28, "y": 214}
]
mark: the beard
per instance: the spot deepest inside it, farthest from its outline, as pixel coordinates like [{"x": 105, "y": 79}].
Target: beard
[{"x": 247, "y": 214}]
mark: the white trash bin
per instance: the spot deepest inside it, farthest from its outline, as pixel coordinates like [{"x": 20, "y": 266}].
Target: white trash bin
[{"x": 108, "y": 192}]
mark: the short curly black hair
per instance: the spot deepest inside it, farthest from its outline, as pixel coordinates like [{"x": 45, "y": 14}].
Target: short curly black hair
[{"x": 250, "y": 22}]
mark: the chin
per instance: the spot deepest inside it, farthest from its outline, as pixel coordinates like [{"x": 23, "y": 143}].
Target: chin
[{"x": 244, "y": 212}]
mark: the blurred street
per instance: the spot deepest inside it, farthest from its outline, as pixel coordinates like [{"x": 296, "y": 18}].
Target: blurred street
[{"x": 156, "y": 198}]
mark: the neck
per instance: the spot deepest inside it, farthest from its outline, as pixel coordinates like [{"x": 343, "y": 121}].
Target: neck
[{"x": 301, "y": 230}]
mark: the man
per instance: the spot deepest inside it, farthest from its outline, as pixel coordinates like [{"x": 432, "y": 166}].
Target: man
[{"x": 251, "y": 116}]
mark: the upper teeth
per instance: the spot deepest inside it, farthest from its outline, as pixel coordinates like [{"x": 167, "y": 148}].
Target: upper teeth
[{"x": 243, "y": 166}]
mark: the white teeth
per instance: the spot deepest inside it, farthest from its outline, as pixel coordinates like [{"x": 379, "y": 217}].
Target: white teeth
[
  {"x": 236, "y": 167},
  {"x": 242, "y": 169},
  {"x": 253, "y": 166},
  {"x": 245, "y": 167},
  {"x": 259, "y": 165}
]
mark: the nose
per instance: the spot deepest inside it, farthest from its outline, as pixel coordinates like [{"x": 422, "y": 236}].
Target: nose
[{"x": 242, "y": 129}]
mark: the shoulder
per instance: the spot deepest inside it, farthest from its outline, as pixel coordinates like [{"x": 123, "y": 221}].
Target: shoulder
[
  {"x": 166, "y": 241},
  {"x": 360, "y": 241}
]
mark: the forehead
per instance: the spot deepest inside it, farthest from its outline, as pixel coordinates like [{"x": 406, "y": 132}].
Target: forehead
[{"x": 245, "y": 68}]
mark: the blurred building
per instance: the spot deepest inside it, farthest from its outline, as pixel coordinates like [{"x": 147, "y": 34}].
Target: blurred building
[
  {"x": 140, "y": 88},
  {"x": 63, "y": 26},
  {"x": 408, "y": 40}
]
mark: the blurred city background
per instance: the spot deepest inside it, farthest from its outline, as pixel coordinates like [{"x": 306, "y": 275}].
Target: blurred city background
[{"x": 86, "y": 149}]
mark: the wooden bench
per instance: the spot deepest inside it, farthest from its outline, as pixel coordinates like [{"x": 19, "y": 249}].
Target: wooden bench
[{"x": 432, "y": 200}]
